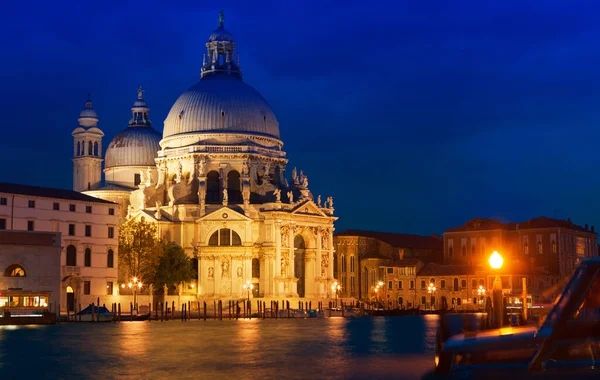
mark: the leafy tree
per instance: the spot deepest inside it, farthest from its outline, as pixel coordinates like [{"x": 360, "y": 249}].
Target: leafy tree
[
  {"x": 173, "y": 267},
  {"x": 139, "y": 248}
]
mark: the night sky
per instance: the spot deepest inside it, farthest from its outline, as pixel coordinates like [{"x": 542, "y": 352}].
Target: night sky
[{"x": 415, "y": 116}]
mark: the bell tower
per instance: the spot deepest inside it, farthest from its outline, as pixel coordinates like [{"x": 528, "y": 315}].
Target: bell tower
[{"x": 87, "y": 151}]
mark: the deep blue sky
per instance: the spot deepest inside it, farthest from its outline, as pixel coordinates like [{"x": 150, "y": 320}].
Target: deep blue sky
[{"x": 414, "y": 115}]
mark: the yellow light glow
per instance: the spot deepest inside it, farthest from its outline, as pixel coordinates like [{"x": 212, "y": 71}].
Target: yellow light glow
[
  {"x": 496, "y": 260},
  {"x": 123, "y": 286},
  {"x": 139, "y": 285},
  {"x": 380, "y": 283},
  {"x": 135, "y": 279},
  {"x": 130, "y": 285},
  {"x": 192, "y": 286}
]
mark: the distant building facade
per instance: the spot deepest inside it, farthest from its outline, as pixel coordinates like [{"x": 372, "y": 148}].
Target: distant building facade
[
  {"x": 360, "y": 257},
  {"x": 89, "y": 237},
  {"x": 30, "y": 264},
  {"x": 540, "y": 245}
]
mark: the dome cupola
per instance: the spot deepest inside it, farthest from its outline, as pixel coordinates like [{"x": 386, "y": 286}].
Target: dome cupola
[
  {"x": 88, "y": 117},
  {"x": 137, "y": 145},
  {"x": 220, "y": 55}
]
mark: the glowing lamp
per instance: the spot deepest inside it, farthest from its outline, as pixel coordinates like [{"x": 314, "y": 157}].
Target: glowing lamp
[{"x": 496, "y": 260}]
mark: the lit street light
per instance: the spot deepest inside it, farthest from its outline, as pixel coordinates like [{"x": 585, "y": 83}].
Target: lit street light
[
  {"x": 134, "y": 285},
  {"x": 248, "y": 286},
  {"x": 481, "y": 293},
  {"x": 496, "y": 262},
  {"x": 335, "y": 288},
  {"x": 431, "y": 289}
]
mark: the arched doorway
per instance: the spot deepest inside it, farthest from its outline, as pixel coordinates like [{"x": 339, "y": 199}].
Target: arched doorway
[
  {"x": 299, "y": 270},
  {"x": 70, "y": 299}
]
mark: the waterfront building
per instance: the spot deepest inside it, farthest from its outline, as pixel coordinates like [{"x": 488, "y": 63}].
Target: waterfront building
[
  {"x": 215, "y": 182},
  {"x": 89, "y": 232},
  {"x": 537, "y": 246},
  {"x": 361, "y": 256},
  {"x": 30, "y": 262}
]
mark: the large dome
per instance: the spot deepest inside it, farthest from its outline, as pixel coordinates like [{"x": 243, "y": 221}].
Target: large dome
[
  {"x": 221, "y": 103},
  {"x": 137, "y": 146}
]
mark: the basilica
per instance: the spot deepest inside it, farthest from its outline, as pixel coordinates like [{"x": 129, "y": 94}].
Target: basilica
[{"x": 216, "y": 182}]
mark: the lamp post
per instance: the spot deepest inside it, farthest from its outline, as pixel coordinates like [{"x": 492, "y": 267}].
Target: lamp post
[
  {"x": 134, "y": 284},
  {"x": 496, "y": 262},
  {"x": 380, "y": 284},
  {"x": 481, "y": 293},
  {"x": 248, "y": 286},
  {"x": 431, "y": 290},
  {"x": 335, "y": 288}
]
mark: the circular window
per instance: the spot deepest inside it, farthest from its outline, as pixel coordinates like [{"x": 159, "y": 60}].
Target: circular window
[{"x": 225, "y": 216}]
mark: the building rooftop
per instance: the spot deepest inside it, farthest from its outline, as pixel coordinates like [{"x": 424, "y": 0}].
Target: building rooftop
[
  {"x": 433, "y": 269},
  {"x": 48, "y": 192},
  {"x": 400, "y": 240},
  {"x": 404, "y": 263},
  {"x": 482, "y": 224}
]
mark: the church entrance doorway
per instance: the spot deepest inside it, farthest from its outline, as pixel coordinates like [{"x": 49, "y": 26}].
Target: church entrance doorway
[
  {"x": 299, "y": 269},
  {"x": 70, "y": 299}
]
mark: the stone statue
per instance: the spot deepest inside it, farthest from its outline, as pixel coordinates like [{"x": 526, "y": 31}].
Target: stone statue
[
  {"x": 179, "y": 172},
  {"x": 201, "y": 166},
  {"x": 246, "y": 192},
  {"x": 224, "y": 269},
  {"x": 330, "y": 201},
  {"x": 142, "y": 178},
  {"x": 303, "y": 180},
  {"x": 284, "y": 265},
  {"x": 277, "y": 194},
  {"x": 290, "y": 195},
  {"x": 211, "y": 273},
  {"x": 148, "y": 176},
  {"x": 245, "y": 169},
  {"x": 294, "y": 176},
  {"x": 157, "y": 213},
  {"x": 239, "y": 272},
  {"x": 225, "y": 197},
  {"x": 319, "y": 201},
  {"x": 165, "y": 290}
]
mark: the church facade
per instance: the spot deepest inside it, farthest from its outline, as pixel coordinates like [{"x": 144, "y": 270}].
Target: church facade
[{"x": 215, "y": 182}]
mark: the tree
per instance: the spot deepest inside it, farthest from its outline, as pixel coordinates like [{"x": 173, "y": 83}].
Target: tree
[
  {"x": 173, "y": 267},
  {"x": 139, "y": 248}
]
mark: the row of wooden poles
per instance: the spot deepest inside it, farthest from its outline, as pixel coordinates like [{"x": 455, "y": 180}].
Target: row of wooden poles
[{"x": 234, "y": 310}]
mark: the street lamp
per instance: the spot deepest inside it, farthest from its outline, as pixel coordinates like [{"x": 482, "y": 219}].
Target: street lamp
[
  {"x": 431, "y": 289},
  {"x": 335, "y": 288},
  {"x": 496, "y": 262},
  {"x": 134, "y": 285},
  {"x": 380, "y": 284},
  {"x": 248, "y": 286},
  {"x": 481, "y": 293}
]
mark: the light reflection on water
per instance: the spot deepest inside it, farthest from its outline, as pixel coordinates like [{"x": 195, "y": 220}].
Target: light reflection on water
[{"x": 401, "y": 347}]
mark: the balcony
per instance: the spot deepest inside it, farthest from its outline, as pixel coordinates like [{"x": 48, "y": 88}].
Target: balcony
[{"x": 70, "y": 271}]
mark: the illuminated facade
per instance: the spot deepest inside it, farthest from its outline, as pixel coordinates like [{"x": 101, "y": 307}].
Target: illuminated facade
[
  {"x": 216, "y": 185},
  {"x": 88, "y": 245}
]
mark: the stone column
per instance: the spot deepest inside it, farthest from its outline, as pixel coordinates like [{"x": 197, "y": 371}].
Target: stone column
[
  {"x": 330, "y": 247},
  {"x": 293, "y": 288},
  {"x": 318, "y": 264},
  {"x": 310, "y": 286},
  {"x": 276, "y": 265}
]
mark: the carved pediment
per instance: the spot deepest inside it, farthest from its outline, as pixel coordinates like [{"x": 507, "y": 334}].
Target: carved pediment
[
  {"x": 224, "y": 214},
  {"x": 308, "y": 208}
]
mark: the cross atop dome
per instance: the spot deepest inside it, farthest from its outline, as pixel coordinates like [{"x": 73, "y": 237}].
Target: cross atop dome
[
  {"x": 220, "y": 57},
  {"x": 140, "y": 111},
  {"x": 140, "y": 93}
]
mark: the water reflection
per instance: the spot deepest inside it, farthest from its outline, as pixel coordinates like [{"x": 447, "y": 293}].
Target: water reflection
[{"x": 135, "y": 337}]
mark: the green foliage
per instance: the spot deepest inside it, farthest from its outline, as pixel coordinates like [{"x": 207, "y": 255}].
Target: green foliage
[
  {"x": 139, "y": 248},
  {"x": 173, "y": 267}
]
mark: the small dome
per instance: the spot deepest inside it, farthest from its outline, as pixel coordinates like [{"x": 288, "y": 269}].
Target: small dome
[
  {"x": 220, "y": 34},
  {"x": 140, "y": 103},
  {"x": 221, "y": 103},
  {"x": 88, "y": 113},
  {"x": 137, "y": 146}
]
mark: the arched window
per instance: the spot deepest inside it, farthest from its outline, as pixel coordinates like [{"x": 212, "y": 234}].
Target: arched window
[
  {"x": 110, "y": 259},
  {"x": 455, "y": 284},
  {"x": 15, "y": 270},
  {"x": 234, "y": 187},
  {"x": 225, "y": 237},
  {"x": 213, "y": 187},
  {"x": 91, "y": 148},
  {"x": 255, "y": 268},
  {"x": 343, "y": 263},
  {"x": 450, "y": 251},
  {"x": 78, "y": 148},
  {"x": 96, "y": 149},
  {"x": 432, "y": 280},
  {"x": 88, "y": 257},
  {"x": 539, "y": 246},
  {"x": 554, "y": 246},
  {"x": 71, "y": 256}
]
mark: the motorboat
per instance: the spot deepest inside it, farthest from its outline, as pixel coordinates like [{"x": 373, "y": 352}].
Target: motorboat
[
  {"x": 98, "y": 313},
  {"x": 565, "y": 346}
]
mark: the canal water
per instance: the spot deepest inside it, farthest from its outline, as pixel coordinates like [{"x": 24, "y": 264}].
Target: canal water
[{"x": 334, "y": 348}]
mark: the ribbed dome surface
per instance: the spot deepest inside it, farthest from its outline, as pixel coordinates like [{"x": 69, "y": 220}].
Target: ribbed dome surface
[
  {"x": 88, "y": 113},
  {"x": 135, "y": 146},
  {"x": 221, "y": 103}
]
